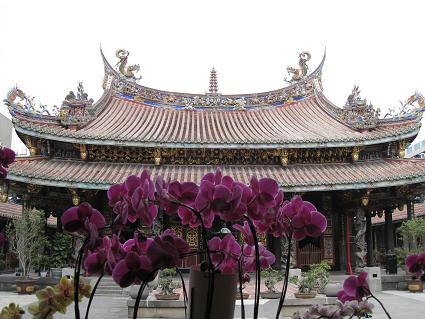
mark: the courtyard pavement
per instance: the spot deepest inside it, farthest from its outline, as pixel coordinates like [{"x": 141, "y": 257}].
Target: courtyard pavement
[{"x": 400, "y": 304}]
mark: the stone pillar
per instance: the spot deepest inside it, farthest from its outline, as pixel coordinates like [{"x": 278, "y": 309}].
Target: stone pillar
[
  {"x": 360, "y": 240},
  {"x": 369, "y": 241},
  {"x": 389, "y": 242}
]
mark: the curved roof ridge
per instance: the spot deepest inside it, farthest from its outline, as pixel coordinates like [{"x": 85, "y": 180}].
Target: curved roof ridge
[{"x": 109, "y": 70}]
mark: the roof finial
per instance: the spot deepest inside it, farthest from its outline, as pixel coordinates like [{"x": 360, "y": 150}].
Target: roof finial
[{"x": 213, "y": 82}]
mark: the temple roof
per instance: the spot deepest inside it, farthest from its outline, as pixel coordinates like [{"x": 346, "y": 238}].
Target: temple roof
[
  {"x": 129, "y": 114},
  {"x": 293, "y": 178},
  {"x": 14, "y": 211}
]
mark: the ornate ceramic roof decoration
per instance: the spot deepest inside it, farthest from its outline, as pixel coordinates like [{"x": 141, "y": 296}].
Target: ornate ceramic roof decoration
[
  {"x": 74, "y": 110},
  {"x": 128, "y": 89},
  {"x": 213, "y": 82},
  {"x": 128, "y": 71},
  {"x": 358, "y": 113},
  {"x": 414, "y": 106},
  {"x": 299, "y": 73},
  {"x": 26, "y": 103}
]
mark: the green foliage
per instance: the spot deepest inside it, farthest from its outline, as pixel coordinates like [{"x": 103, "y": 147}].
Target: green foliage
[
  {"x": 27, "y": 238},
  {"x": 271, "y": 278},
  {"x": 314, "y": 279},
  {"x": 60, "y": 250},
  {"x": 413, "y": 233},
  {"x": 166, "y": 282},
  {"x": 2, "y": 260}
]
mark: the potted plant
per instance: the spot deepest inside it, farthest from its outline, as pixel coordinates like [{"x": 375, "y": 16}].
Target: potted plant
[
  {"x": 42, "y": 264},
  {"x": 320, "y": 271},
  {"x": 26, "y": 239},
  {"x": 167, "y": 285},
  {"x": 271, "y": 278},
  {"x": 415, "y": 264},
  {"x": 60, "y": 251},
  {"x": 306, "y": 285}
]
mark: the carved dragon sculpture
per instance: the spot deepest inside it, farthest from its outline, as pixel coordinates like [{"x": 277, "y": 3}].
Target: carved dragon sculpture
[
  {"x": 361, "y": 245},
  {"x": 128, "y": 71},
  {"x": 301, "y": 72}
]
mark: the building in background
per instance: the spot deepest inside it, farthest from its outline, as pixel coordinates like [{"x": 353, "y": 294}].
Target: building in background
[
  {"x": 348, "y": 161},
  {"x": 6, "y": 129}
]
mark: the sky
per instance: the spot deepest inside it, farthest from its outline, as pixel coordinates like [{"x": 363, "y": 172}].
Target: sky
[{"x": 47, "y": 47}]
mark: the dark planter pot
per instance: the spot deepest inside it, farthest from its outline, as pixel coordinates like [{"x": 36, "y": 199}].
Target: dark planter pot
[
  {"x": 415, "y": 285},
  {"x": 270, "y": 295},
  {"x": 56, "y": 273},
  {"x": 305, "y": 295},
  {"x": 224, "y": 294},
  {"x": 25, "y": 286},
  {"x": 174, "y": 296}
]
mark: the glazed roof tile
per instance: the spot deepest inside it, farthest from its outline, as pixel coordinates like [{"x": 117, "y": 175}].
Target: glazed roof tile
[
  {"x": 14, "y": 211},
  {"x": 305, "y": 123},
  {"x": 294, "y": 178}
]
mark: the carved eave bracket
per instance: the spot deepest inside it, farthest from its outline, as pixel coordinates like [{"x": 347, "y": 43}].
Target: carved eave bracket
[{"x": 75, "y": 196}]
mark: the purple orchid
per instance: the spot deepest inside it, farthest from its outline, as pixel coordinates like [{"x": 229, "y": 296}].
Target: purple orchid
[
  {"x": 226, "y": 254},
  {"x": 264, "y": 192},
  {"x": 355, "y": 288},
  {"x": 267, "y": 258},
  {"x": 416, "y": 264},
  {"x": 82, "y": 219}
]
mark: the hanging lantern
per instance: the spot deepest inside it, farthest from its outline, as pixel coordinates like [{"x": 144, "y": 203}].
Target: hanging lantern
[
  {"x": 400, "y": 206},
  {"x": 380, "y": 214},
  {"x": 364, "y": 200}
]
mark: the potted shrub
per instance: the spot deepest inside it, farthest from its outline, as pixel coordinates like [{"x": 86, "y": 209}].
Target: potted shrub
[
  {"x": 307, "y": 285},
  {"x": 415, "y": 264},
  {"x": 321, "y": 273},
  {"x": 271, "y": 278},
  {"x": 167, "y": 285},
  {"x": 26, "y": 239},
  {"x": 60, "y": 251}
]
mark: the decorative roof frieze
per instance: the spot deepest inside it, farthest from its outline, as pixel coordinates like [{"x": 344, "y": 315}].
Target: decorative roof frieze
[{"x": 301, "y": 86}]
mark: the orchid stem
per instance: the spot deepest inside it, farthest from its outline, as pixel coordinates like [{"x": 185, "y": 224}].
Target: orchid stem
[
  {"x": 381, "y": 304},
  {"x": 139, "y": 296},
  {"x": 285, "y": 288},
  {"x": 77, "y": 278},
  {"x": 92, "y": 295},
  {"x": 240, "y": 290},
  {"x": 184, "y": 291},
  {"x": 257, "y": 266}
]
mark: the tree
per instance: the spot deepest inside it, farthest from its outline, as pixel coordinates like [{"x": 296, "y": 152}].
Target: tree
[{"x": 27, "y": 238}]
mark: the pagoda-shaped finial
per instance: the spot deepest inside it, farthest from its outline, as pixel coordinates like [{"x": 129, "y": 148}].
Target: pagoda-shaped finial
[{"x": 213, "y": 82}]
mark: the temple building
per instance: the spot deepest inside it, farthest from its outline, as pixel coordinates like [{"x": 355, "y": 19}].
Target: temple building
[{"x": 348, "y": 160}]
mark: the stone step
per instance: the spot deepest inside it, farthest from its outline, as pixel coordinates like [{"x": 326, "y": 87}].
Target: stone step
[{"x": 109, "y": 292}]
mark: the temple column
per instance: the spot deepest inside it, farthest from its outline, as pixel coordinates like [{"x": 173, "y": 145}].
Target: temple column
[
  {"x": 391, "y": 260},
  {"x": 369, "y": 241},
  {"x": 360, "y": 240},
  {"x": 410, "y": 208}
]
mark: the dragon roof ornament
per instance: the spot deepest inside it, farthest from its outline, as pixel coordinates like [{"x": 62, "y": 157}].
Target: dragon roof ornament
[
  {"x": 127, "y": 71},
  {"x": 74, "y": 110},
  {"x": 414, "y": 106},
  {"x": 127, "y": 88},
  {"x": 17, "y": 99},
  {"x": 301, "y": 72}
]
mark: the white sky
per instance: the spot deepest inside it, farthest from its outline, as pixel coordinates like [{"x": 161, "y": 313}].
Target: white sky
[{"x": 46, "y": 47}]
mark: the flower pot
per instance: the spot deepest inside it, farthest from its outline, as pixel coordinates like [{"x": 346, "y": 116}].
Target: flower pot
[
  {"x": 332, "y": 288},
  {"x": 305, "y": 295},
  {"x": 223, "y": 295},
  {"x": 270, "y": 295},
  {"x": 415, "y": 285},
  {"x": 173, "y": 296},
  {"x": 56, "y": 273},
  {"x": 25, "y": 286}
]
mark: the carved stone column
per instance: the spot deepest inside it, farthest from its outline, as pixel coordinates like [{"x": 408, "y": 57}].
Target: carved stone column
[
  {"x": 360, "y": 240},
  {"x": 369, "y": 240}
]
